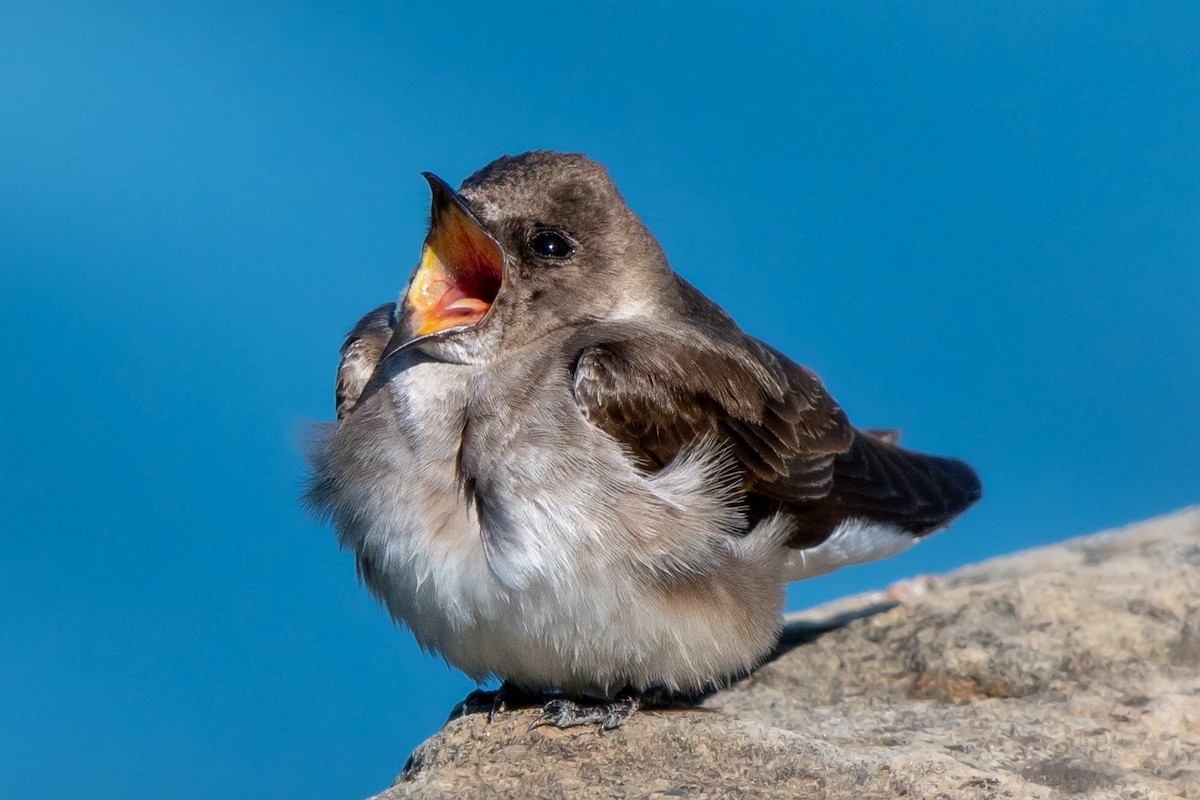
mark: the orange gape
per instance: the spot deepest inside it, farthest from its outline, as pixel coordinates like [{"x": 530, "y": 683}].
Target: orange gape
[{"x": 459, "y": 275}]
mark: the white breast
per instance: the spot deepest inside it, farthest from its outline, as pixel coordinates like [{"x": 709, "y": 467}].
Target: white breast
[{"x": 543, "y": 569}]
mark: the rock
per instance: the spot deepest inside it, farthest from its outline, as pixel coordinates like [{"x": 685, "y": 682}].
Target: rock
[{"x": 1068, "y": 671}]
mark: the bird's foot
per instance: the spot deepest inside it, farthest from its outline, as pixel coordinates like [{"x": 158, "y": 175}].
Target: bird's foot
[
  {"x": 564, "y": 713},
  {"x": 494, "y": 702}
]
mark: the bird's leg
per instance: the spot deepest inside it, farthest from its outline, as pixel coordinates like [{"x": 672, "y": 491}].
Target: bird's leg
[
  {"x": 495, "y": 702},
  {"x": 565, "y": 713},
  {"x": 509, "y": 696}
]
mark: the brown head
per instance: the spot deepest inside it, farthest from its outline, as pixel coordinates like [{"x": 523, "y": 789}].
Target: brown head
[{"x": 529, "y": 244}]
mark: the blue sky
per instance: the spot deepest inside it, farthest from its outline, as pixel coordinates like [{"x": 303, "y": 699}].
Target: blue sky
[{"x": 980, "y": 224}]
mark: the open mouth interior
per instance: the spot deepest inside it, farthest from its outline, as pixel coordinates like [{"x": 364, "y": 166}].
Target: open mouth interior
[{"x": 460, "y": 275}]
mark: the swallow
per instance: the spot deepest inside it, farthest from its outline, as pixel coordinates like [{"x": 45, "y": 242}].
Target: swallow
[{"x": 561, "y": 466}]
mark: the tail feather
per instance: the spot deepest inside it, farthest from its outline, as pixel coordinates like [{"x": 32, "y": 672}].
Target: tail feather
[{"x": 879, "y": 481}]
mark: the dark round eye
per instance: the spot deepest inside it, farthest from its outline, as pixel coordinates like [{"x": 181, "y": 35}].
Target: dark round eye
[{"x": 550, "y": 244}]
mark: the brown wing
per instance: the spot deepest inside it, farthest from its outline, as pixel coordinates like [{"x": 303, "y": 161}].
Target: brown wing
[
  {"x": 877, "y": 479},
  {"x": 360, "y": 355},
  {"x": 657, "y": 389}
]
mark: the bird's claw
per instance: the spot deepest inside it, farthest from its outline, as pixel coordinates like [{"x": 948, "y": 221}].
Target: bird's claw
[
  {"x": 494, "y": 702},
  {"x": 564, "y": 713}
]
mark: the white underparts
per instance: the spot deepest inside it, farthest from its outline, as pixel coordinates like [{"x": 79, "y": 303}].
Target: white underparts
[{"x": 854, "y": 541}]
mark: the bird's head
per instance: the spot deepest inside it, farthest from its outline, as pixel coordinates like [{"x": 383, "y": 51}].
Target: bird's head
[{"x": 529, "y": 244}]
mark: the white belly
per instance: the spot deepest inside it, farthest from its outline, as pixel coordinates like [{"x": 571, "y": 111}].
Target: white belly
[{"x": 566, "y": 568}]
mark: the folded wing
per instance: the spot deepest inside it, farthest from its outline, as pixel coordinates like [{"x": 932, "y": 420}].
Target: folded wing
[{"x": 657, "y": 389}]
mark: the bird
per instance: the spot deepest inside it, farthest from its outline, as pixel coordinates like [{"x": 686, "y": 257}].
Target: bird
[{"x": 563, "y": 467}]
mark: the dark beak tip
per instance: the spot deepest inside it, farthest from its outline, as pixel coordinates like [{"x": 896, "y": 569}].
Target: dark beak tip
[
  {"x": 446, "y": 204},
  {"x": 443, "y": 196},
  {"x": 438, "y": 186}
]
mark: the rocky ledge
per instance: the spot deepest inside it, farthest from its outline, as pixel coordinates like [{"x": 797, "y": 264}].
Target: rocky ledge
[{"x": 1071, "y": 670}]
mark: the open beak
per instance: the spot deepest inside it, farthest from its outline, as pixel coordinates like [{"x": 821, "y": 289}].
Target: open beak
[{"x": 461, "y": 267}]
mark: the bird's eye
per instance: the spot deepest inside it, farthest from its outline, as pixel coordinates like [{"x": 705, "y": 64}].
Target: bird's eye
[{"x": 550, "y": 244}]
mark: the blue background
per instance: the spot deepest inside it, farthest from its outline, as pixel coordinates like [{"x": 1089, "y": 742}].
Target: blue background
[{"x": 980, "y": 225}]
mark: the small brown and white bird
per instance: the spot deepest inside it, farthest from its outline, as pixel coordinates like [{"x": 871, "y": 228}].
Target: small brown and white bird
[{"x": 560, "y": 465}]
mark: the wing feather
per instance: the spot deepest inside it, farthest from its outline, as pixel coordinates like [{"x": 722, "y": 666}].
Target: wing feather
[
  {"x": 360, "y": 356},
  {"x": 657, "y": 389}
]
